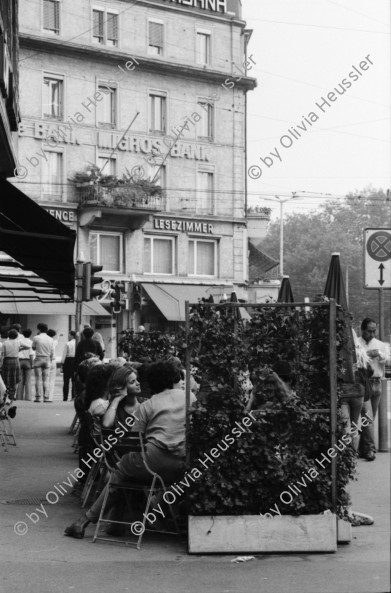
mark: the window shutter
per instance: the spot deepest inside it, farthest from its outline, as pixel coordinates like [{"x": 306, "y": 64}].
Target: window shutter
[
  {"x": 155, "y": 34},
  {"x": 97, "y": 23},
  {"x": 112, "y": 26},
  {"x": 51, "y": 15}
]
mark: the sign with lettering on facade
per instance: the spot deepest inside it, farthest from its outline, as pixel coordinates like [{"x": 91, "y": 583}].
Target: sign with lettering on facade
[
  {"x": 146, "y": 145},
  {"x": 63, "y": 215},
  {"x": 185, "y": 226},
  {"x": 53, "y": 134},
  {"x": 214, "y": 5}
]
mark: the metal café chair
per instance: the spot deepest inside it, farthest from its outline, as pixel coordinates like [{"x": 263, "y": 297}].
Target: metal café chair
[
  {"x": 132, "y": 443},
  {"x": 98, "y": 473},
  {"x": 7, "y": 435}
]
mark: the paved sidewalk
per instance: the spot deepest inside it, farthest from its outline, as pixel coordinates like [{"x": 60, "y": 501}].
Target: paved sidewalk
[{"x": 44, "y": 561}]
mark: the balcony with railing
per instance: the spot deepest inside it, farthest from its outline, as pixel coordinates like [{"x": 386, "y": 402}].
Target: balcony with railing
[{"x": 107, "y": 198}]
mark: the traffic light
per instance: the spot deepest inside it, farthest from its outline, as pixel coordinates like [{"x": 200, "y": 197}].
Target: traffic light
[
  {"x": 119, "y": 302},
  {"x": 89, "y": 281},
  {"x": 136, "y": 297}
]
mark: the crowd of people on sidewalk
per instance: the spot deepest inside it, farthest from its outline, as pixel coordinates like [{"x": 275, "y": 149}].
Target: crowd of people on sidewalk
[{"x": 29, "y": 364}]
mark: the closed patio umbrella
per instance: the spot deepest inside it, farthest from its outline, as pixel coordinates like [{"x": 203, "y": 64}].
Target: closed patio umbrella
[
  {"x": 335, "y": 289},
  {"x": 285, "y": 294}
]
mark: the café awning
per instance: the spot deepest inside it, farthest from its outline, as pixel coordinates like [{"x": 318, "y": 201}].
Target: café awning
[
  {"x": 171, "y": 298},
  {"x": 93, "y": 308},
  {"x": 36, "y": 240}
]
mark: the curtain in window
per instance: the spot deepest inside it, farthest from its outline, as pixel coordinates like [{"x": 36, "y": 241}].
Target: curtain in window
[
  {"x": 191, "y": 260},
  {"x": 148, "y": 256},
  {"x": 51, "y": 15},
  {"x": 203, "y": 40},
  {"x": 158, "y": 113},
  {"x": 205, "y": 125},
  {"x": 156, "y": 37},
  {"x": 97, "y": 24},
  {"x": 94, "y": 248},
  {"x": 109, "y": 249},
  {"x": 112, "y": 28},
  {"x": 205, "y": 258},
  {"x": 52, "y": 174},
  {"x": 205, "y": 199},
  {"x": 105, "y": 107},
  {"x": 162, "y": 256},
  {"x": 52, "y": 98}
]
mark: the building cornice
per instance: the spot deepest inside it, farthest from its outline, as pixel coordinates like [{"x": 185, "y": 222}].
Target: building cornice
[{"x": 43, "y": 44}]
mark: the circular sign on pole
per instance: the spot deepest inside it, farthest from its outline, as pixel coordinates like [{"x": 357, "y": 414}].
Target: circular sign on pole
[
  {"x": 377, "y": 258},
  {"x": 379, "y": 246}
]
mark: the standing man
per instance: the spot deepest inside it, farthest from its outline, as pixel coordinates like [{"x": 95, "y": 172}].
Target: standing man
[
  {"x": 26, "y": 361},
  {"x": 44, "y": 354},
  {"x": 68, "y": 365},
  {"x": 376, "y": 351}
]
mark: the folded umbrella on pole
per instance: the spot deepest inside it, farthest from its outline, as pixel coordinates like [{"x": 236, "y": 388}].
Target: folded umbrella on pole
[
  {"x": 285, "y": 294},
  {"x": 335, "y": 289}
]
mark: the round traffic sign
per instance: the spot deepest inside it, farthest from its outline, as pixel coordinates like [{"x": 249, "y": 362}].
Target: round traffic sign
[{"x": 379, "y": 246}]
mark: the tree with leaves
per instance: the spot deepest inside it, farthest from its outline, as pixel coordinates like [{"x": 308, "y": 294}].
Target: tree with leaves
[{"x": 337, "y": 226}]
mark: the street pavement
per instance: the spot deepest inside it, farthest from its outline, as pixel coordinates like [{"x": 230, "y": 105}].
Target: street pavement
[{"x": 44, "y": 561}]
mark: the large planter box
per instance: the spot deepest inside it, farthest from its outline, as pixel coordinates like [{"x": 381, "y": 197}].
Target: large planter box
[{"x": 252, "y": 533}]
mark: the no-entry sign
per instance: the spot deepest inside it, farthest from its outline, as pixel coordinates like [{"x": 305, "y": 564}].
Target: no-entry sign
[{"x": 377, "y": 258}]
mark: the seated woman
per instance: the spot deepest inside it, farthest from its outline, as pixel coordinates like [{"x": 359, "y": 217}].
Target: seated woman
[
  {"x": 124, "y": 389},
  {"x": 162, "y": 419}
]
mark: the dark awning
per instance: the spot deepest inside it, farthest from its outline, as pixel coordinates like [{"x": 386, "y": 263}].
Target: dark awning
[{"x": 36, "y": 240}]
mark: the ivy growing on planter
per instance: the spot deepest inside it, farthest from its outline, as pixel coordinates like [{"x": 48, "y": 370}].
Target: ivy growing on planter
[{"x": 280, "y": 449}]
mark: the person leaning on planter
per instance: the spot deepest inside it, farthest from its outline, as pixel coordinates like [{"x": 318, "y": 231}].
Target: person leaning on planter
[{"x": 162, "y": 420}]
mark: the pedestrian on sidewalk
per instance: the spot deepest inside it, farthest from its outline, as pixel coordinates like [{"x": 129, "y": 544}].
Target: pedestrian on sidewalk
[
  {"x": 44, "y": 353},
  {"x": 10, "y": 364},
  {"x": 26, "y": 361},
  {"x": 53, "y": 365},
  {"x": 376, "y": 352},
  {"x": 68, "y": 366},
  {"x": 87, "y": 345}
]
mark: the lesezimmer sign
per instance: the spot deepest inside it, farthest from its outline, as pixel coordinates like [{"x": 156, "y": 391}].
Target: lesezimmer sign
[{"x": 215, "y": 5}]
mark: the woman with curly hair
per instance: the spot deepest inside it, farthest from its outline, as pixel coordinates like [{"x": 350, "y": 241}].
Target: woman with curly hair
[{"x": 162, "y": 419}]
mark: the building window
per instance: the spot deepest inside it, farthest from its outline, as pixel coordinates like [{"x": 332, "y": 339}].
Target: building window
[
  {"x": 51, "y": 15},
  {"x": 158, "y": 172},
  {"x": 53, "y": 91},
  {"x": 106, "y": 107},
  {"x": 107, "y": 165},
  {"x": 205, "y": 202},
  {"x": 159, "y": 255},
  {"x": 52, "y": 175},
  {"x": 106, "y": 251},
  {"x": 104, "y": 27},
  {"x": 157, "y": 112},
  {"x": 202, "y": 258},
  {"x": 203, "y": 48},
  {"x": 205, "y": 124},
  {"x": 155, "y": 38}
]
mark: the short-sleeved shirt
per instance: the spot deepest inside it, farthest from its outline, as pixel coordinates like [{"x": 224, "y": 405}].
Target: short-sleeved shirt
[
  {"x": 162, "y": 418},
  {"x": 43, "y": 345},
  {"x": 25, "y": 354},
  {"x": 11, "y": 348}
]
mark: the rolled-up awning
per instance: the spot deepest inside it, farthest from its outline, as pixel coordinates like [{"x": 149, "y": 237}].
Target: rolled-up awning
[
  {"x": 171, "y": 298},
  {"x": 36, "y": 240}
]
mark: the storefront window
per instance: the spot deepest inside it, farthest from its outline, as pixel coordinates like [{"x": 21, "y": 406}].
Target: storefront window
[
  {"x": 106, "y": 251},
  {"x": 202, "y": 258},
  {"x": 158, "y": 255}
]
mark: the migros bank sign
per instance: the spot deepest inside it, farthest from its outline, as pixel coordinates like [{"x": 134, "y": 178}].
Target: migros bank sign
[{"x": 214, "y": 5}]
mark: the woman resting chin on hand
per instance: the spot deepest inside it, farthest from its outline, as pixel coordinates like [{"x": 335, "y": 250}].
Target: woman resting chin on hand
[{"x": 123, "y": 388}]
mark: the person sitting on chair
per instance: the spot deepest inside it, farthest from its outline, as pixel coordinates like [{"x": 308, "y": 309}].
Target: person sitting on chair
[
  {"x": 124, "y": 390},
  {"x": 162, "y": 420}
]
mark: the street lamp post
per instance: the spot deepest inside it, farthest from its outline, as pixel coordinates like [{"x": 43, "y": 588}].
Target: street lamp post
[{"x": 282, "y": 202}]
